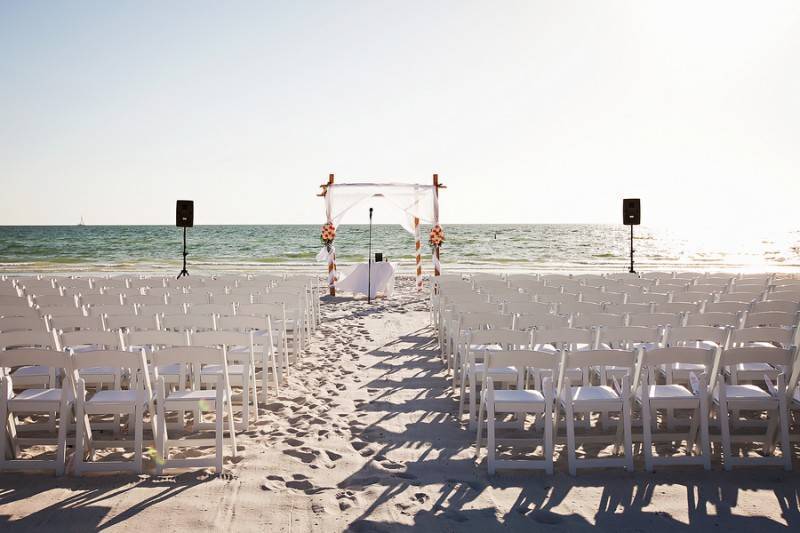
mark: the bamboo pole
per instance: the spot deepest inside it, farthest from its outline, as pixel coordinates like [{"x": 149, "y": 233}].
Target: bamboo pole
[
  {"x": 332, "y": 252},
  {"x": 418, "y": 256},
  {"x": 437, "y": 266}
]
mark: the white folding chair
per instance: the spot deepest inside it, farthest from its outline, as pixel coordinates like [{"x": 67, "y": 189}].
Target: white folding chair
[
  {"x": 518, "y": 402},
  {"x": 193, "y": 398}
]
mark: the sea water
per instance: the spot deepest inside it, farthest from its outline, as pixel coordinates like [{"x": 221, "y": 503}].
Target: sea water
[{"x": 521, "y": 247}]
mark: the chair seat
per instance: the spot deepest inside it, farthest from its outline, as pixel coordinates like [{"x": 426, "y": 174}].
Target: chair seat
[
  {"x": 667, "y": 392},
  {"x": 513, "y": 399},
  {"x": 755, "y": 367},
  {"x": 216, "y": 370},
  {"x": 594, "y": 394},
  {"x": 173, "y": 369},
  {"x": 98, "y": 371},
  {"x": 127, "y": 397},
  {"x": 31, "y": 372},
  {"x": 743, "y": 393},
  {"x": 193, "y": 396},
  {"x": 28, "y": 397},
  {"x": 485, "y": 347},
  {"x": 505, "y": 373}
]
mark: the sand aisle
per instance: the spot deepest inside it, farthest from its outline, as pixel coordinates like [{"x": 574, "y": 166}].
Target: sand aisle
[{"x": 364, "y": 439}]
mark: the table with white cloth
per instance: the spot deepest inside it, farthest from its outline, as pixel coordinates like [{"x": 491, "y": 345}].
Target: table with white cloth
[{"x": 380, "y": 279}]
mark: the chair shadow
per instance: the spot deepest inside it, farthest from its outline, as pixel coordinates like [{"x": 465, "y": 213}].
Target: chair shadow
[{"x": 626, "y": 501}]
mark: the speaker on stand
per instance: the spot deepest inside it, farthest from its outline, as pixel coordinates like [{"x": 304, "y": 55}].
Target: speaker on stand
[
  {"x": 184, "y": 218},
  {"x": 631, "y": 216}
]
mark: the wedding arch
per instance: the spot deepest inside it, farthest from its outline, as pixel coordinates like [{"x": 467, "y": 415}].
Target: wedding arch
[{"x": 419, "y": 202}]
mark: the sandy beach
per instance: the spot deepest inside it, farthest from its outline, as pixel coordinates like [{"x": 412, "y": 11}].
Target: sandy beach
[{"x": 364, "y": 438}]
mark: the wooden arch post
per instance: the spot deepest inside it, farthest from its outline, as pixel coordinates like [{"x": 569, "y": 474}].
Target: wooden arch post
[
  {"x": 437, "y": 266},
  {"x": 332, "y": 253}
]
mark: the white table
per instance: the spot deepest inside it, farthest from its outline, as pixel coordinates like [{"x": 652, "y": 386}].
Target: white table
[{"x": 382, "y": 279}]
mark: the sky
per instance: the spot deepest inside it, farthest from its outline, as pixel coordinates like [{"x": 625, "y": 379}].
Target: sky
[{"x": 530, "y": 112}]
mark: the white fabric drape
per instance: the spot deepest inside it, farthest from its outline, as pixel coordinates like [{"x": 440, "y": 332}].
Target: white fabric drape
[{"x": 414, "y": 200}]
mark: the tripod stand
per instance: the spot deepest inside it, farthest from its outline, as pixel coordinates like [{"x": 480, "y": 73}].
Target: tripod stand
[
  {"x": 183, "y": 271},
  {"x": 369, "y": 261}
]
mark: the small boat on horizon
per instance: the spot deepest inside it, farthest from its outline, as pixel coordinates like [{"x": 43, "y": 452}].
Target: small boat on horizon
[{"x": 81, "y": 223}]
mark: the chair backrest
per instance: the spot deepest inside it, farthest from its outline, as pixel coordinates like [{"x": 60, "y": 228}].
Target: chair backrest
[
  {"x": 475, "y": 307},
  {"x": 102, "y": 299},
  {"x": 757, "y": 354},
  {"x": 679, "y": 354},
  {"x": 193, "y": 357},
  {"x": 522, "y": 360},
  {"x": 112, "y": 310},
  {"x": 131, "y": 322},
  {"x": 593, "y": 358},
  {"x": 738, "y": 297},
  {"x": 13, "y": 299},
  {"x": 157, "y": 339},
  {"x": 590, "y": 320},
  {"x": 134, "y": 361},
  {"x": 111, "y": 340},
  {"x": 146, "y": 299},
  {"x": 55, "y": 359},
  {"x": 726, "y": 307},
  {"x": 22, "y": 323},
  {"x": 540, "y": 321},
  {"x": 29, "y": 339},
  {"x": 789, "y": 296},
  {"x": 55, "y": 301},
  {"x": 210, "y": 309},
  {"x": 506, "y": 338},
  {"x": 680, "y": 336},
  {"x": 198, "y": 297},
  {"x": 74, "y": 323},
  {"x": 242, "y": 323},
  {"x": 655, "y": 319},
  {"x": 162, "y": 309},
  {"x": 566, "y": 338},
  {"x": 275, "y": 310},
  {"x": 187, "y": 322},
  {"x": 229, "y": 299},
  {"x": 626, "y": 335},
  {"x": 770, "y": 319},
  {"x": 782, "y": 306},
  {"x": 556, "y": 298},
  {"x": 17, "y": 311},
  {"x": 648, "y": 298},
  {"x": 526, "y": 308},
  {"x": 621, "y": 309},
  {"x": 713, "y": 319},
  {"x": 484, "y": 320},
  {"x": 783, "y": 337},
  {"x": 571, "y": 308},
  {"x": 227, "y": 340},
  {"x": 678, "y": 307}
]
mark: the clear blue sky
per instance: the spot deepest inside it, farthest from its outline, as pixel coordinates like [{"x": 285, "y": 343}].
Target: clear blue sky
[{"x": 530, "y": 111}]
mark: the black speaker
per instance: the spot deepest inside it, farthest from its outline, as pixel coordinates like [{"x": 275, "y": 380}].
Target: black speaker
[
  {"x": 184, "y": 214},
  {"x": 631, "y": 211},
  {"x": 378, "y": 257}
]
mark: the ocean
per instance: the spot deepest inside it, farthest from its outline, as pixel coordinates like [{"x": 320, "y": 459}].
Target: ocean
[{"x": 519, "y": 248}]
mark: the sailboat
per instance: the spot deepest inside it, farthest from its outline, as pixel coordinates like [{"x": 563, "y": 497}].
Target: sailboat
[{"x": 81, "y": 222}]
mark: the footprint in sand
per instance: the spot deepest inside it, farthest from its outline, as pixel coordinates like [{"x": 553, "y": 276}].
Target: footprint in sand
[{"x": 306, "y": 457}]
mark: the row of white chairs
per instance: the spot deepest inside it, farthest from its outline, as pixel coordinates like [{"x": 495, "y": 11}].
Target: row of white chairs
[{"x": 462, "y": 308}]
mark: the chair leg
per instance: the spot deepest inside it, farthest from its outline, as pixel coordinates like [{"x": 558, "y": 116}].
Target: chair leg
[
  {"x": 491, "y": 446},
  {"x": 547, "y": 420},
  {"x": 725, "y": 429},
  {"x": 480, "y": 427},
  {"x": 138, "y": 433},
  {"x": 5, "y": 422},
  {"x": 80, "y": 435},
  {"x": 219, "y": 433},
  {"x": 647, "y": 433},
  {"x": 461, "y": 401},
  {"x": 473, "y": 387},
  {"x": 161, "y": 440},
  {"x": 61, "y": 452},
  {"x": 626, "y": 428},
  {"x": 569, "y": 420},
  {"x": 786, "y": 446},
  {"x": 705, "y": 440}
]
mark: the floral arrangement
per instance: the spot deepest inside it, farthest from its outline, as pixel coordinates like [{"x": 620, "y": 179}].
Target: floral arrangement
[
  {"x": 437, "y": 236},
  {"x": 328, "y": 234}
]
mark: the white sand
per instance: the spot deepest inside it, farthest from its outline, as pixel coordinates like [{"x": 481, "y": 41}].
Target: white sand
[{"x": 364, "y": 438}]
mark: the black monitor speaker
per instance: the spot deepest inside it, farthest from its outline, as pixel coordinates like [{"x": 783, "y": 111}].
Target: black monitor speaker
[
  {"x": 378, "y": 257},
  {"x": 631, "y": 211},
  {"x": 184, "y": 214}
]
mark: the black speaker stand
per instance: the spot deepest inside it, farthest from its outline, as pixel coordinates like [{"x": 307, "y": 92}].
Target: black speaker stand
[
  {"x": 183, "y": 271},
  {"x": 632, "y": 271},
  {"x": 369, "y": 261}
]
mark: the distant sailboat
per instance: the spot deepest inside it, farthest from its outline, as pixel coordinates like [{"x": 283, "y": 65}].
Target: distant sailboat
[{"x": 81, "y": 222}]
